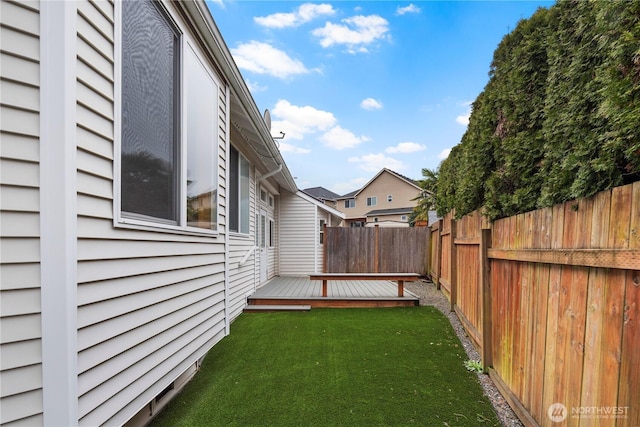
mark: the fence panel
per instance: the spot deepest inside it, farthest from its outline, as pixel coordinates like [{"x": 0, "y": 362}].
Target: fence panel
[
  {"x": 562, "y": 312},
  {"x": 579, "y": 360},
  {"x": 468, "y": 304},
  {"x": 376, "y": 249}
]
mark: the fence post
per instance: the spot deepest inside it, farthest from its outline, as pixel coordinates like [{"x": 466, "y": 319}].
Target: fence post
[
  {"x": 485, "y": 278},
  {"x": 324, "y": 249},
  {"x": 439, "y": 254},
  {"x": 453, "y": 263},
  {"x": 376, "y": 248}
]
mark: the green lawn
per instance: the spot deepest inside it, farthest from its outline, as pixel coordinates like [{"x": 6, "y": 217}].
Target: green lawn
[{"x": 335, "y": 367}]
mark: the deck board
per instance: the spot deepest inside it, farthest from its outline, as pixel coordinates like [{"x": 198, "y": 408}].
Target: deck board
[{"x": 339, "y": 292}]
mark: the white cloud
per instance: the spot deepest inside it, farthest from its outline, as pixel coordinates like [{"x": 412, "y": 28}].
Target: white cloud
[
  {"x": 355, "y": 32},
  {"x": 406, "y": 147},
  {"x": 290, "y": 148},
  {"x": 347, "y": 187},
  {"x": 371, "y": 104},
  {"x": 262, "y": 58},
  {"x": 412, "y": 8},
  {"x": 303, "y": 14},
  {"x": 339, "y": 138},
  {"x": 444, "y": 153},
  {"x": 376, "y": 162},
  {"x": 297, "y": 121},
  {"x": 463, "y": 119}
]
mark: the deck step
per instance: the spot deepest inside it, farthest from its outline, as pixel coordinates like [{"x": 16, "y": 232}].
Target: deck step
[{"x": 255, "y": 308}]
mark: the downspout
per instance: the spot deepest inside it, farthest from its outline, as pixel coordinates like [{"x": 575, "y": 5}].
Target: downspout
[{"x": 270, "y": 174}]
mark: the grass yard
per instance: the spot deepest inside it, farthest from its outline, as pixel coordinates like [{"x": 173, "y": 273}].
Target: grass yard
[{"x": 335, "y": 367}]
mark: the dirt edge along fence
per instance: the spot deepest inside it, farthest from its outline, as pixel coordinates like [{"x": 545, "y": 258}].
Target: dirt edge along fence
[
  {"x": 376, "y": 250},
  {"x": 551, "y": 300}
]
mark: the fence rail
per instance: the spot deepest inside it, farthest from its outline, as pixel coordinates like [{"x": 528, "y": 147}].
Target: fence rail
[{"x": 551, "y": 299}]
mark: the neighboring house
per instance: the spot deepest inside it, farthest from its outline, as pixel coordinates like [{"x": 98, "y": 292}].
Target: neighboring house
[
  {"x": 327, "y": 197},
  {"x": 386, "y": 200},
  {"x": 142, "y": 199}
]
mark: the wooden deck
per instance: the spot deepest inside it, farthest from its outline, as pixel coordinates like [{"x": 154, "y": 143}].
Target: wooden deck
[{"x": 340, "y": 293}]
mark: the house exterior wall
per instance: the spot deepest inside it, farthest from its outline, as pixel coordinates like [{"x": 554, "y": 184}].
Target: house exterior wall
[
  {"x": 100, "y": 314},
  {"x": 298, "y": 240},
  {"x": 147, "y": 303},
  {"x": 388, "y": 220},
  {"x": 150, "y": 302},
  {"x": 383, "y": 185},
  {"x": 20, "y": 284}
]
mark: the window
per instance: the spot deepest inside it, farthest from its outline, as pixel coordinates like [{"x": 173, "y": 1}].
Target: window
[
  {"x": 390, "y": 198},
  {"x": 372, "y": 201},
  {"x": 201, "y": 145},
  {"x": 350, "y": 203},
  {"x": 150, "y": 113},
  {"x": 263, "y": 195},
  {"x": 403, "y": 218},
  {"x": 322, "y": 224},
  {"x": 270, "y": 200},
  {"x": 272, "y": 231},
  {"x": 238, "y": 192},
  {"x": 168, "y": 141}
]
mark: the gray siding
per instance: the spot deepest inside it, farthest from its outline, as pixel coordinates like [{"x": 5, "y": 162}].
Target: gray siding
[
  {"x": 297, "y": 236},
  {"x": 150, "y": 303},
  {"x": 20, "y": 321},
  {"x": 242, "y": 278}
]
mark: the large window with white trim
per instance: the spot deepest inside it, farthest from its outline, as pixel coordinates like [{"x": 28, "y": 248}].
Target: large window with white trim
[{"x": 168, "y": 124}]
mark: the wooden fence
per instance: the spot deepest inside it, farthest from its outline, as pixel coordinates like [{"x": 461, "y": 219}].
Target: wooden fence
[
  {"x": 376, "y": 249},
  {"x": 551, "y": 299}
]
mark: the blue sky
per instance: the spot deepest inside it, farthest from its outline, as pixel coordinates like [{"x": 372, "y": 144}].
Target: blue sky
[{"x": 360, "y": 85}]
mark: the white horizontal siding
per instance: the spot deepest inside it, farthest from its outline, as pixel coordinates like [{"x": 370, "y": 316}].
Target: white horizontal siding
[
  {"x": 20, "y": 300},
  {"x": 150, "y": 303},
  {"x": 15, "y": 302},
  {"x": 112, "y": 395},
  {"x": 19, "y": 147},
  {"x": 19, "y": 69},
  {"x": 14, "y": 408},
  {"x": 297, "y": 235},
  {"x": 19, "y": 276},
  {"x": 93, "y": 357},
  {"x": 21, "y": 380},
  {"x": 20, "y": 328},
  {"x": 22, "y": 15},
  {"x": 19, "y": 95},
  {"x": 21, "y": 353},
  {"x": 19, "y": 43}
]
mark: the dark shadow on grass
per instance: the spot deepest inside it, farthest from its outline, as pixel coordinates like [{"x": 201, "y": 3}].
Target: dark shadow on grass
[{"x": 335, "y": 367}]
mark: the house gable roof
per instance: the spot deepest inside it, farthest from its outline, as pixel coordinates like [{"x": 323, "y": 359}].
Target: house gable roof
[
  {"x": 383, "y": 170},
  {"x": 321, "y": 193}
]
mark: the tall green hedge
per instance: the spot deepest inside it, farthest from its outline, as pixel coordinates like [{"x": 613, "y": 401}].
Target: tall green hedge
[{"x": 559, "y": 118}]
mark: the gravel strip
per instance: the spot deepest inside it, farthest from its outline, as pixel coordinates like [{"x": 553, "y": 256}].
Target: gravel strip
[{"x": 429, "y": 295}]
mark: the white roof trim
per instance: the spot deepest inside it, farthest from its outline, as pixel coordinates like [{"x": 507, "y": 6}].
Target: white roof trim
[{"x": 321, "y": 205}]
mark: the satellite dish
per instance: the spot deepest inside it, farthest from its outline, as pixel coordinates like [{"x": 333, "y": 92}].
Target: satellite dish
[{"x": 267, "y": 118}]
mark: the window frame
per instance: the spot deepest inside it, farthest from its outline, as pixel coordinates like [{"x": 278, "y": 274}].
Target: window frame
[
  {"x": 372, "y": 201},
  {"x": 239, "y": 231},
  {"x": 349, "y": 203},
  {"x": 130, "y": 220}
]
